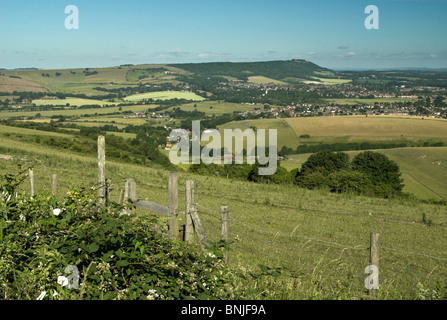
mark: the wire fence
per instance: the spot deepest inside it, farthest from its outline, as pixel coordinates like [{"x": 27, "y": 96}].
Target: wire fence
[{"x": 259, "y": 235}]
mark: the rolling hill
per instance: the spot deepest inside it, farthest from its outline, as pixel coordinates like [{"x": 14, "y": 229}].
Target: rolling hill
[{"x": 287, "y": 71}]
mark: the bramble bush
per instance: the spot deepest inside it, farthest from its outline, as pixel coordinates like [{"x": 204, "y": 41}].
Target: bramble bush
[{"x": 118, "y": 256}]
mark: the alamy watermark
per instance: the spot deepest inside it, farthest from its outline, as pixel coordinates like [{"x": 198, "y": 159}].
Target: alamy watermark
[
  {"x": 372, "y": 21},
  {"x": 212, "y": 152},
  {"x": 372, "y": 281},
  {"x": 72, "y": 20},
  {"x": 72, "y": 281}
]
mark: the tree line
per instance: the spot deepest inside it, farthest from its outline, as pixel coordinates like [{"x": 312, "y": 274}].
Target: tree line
[{"x": 369, "y": 173}]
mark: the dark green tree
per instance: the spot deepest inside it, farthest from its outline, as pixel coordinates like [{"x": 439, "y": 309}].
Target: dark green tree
[
  {"x": 382, "y": 171},
  {"x": 326, "y": 161}
]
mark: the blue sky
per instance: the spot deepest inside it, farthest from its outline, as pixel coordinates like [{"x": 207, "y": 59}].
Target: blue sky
[{"x": 330, "y": 33}]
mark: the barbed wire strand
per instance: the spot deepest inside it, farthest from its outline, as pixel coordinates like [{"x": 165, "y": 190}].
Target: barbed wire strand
[
  {"x": 319, "y": 240},
  {"x": 286, "y": 235},
  {"x": 414, "y": 253}
]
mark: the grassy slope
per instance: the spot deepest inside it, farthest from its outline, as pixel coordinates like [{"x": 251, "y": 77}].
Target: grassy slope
[
  {"x": 285, "y": 134},
  {"x": 323, "y": 269},
  {"x": 73, "y": 112}
]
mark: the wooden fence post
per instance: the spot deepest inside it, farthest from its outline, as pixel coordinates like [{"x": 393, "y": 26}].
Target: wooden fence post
[
  {"x": 108, "y": 190},
  {"x": 130, "y": 190},
  {"x": 121, "y": 199},
  {"x": 374, "y": 256},
  {"x": 224, "y": 234},
  {"x": 193, "y": 222},
  {"x": 31, "y": 178},
  {"x": 189, "y": 227},
  {"x": 128, "y": 193},
  {"x": 101, "y": 170},
  {"x": 173, "y": 206},
  {"x": 54, "y": 185},
  {"x": 198, "y": 226}
]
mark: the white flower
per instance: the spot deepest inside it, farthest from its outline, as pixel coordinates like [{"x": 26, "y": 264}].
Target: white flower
[
  {"x": 152, "y": 294},
  {"x": 56, "y": 212},
  {"x": 63, "y": 281},
  {"x": 42, "y": 295}
]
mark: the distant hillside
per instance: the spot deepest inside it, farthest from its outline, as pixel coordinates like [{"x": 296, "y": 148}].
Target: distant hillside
[{"x": 288, "y": 71}]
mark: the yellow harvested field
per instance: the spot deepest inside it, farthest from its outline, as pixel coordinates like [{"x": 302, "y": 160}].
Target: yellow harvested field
[{"x": 371, "y": 127}]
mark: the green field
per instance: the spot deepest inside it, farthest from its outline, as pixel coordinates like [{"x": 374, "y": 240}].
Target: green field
[
  {"x": 285, "y": 134},
  {"x": 318, "y": 240},
  {"x": 75, "y": 112},
  {"x": 326, "y": 81},
  {"x": 78, "y": 102},
  {"x": 216, "y": 107},
  {"x": 264, "y": 80},
  {"x": 165, "y": 95}
]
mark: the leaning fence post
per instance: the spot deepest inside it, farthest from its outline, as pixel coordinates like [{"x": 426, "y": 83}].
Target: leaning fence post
[
  {"x": 198, "y": 226},
  {"x": 173, "y": 206},
  {"x": 189, "y": 227},
  {"x": 54, "y": 185},
  {"x": 108, "y": 190},
  {"x": 130, "y": 190},
  {"x": 31, "y": 178},
  {"x": 121, "y": 199},
  {"x": 128, "y": 193},
  {"x": 224, "y": 234},
  {"x": 374, "y": 257},
  {"x": 101, "y": 170}
]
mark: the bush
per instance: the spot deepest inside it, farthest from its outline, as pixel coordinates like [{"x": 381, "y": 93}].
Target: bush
[
  {"x": 118, "y": 256},
  {"x": 312, "y": 180},
  {"x": 326, "y": 161},
  {"x": 281, "y": 176},
  {"x": 349, "y": 181},
  {"x": 382, "y": 171}
]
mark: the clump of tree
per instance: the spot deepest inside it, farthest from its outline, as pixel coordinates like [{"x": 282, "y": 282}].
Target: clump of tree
[{"x": 369, "y": 173}]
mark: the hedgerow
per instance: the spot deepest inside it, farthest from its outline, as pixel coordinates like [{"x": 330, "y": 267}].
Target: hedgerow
[{"x": 107, "y": 254}]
